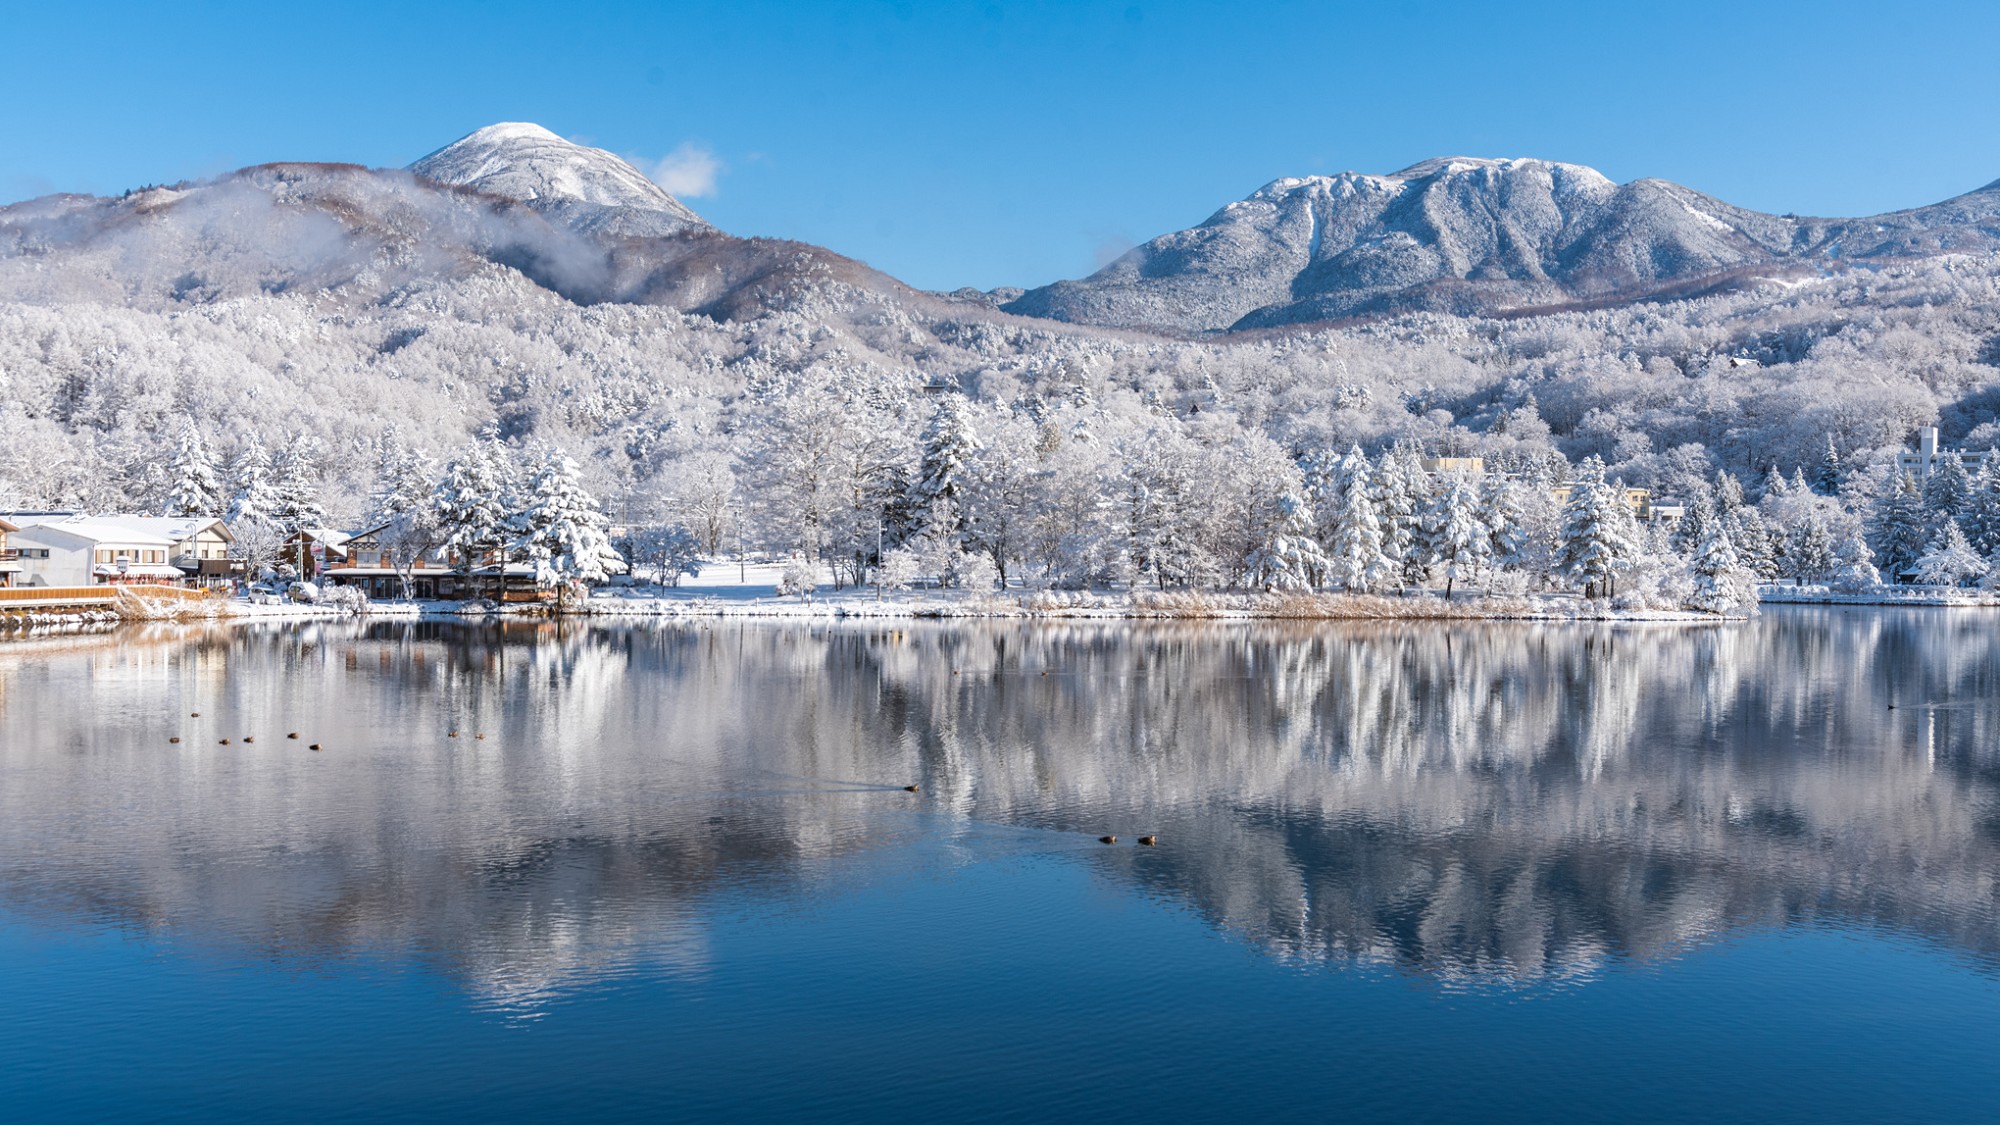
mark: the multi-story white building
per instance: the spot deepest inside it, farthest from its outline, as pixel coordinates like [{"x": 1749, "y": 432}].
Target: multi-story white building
[
  {"x": 1930, "y": 455},
  {"x": 65, "y": 549}
]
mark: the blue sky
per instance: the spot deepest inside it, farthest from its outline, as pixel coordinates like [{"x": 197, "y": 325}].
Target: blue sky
[{"x": 1014, "y": 143}]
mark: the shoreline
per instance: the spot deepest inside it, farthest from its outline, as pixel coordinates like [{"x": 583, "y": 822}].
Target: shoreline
[{"x": 754, "y": 602}]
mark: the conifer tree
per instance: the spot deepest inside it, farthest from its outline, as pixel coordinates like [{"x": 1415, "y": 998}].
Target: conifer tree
[
  {"x": 1854, "y": 566},
  {"x": 949, "y": 445},
  {"x": 1827, "y": 480},
  {"x": 1720, "y": 583},
  {"x": 1290, "y": 557},
  {"x": 255, "y": 497},
  {"x": 195, "y": 491},
  {"x": 1774, "y": 487},
  {"x": 1982, "y": 512},
  {"x": 1752, "y": 541},
  {"x": 1454, "y": 536},
  {"x": 1947, "y": 493},
  {"x": 1505, "y": 521},
  {"x": 1897, "y": 528},
  {"x": 471, "y": 509},
  {"x": 1595, "y": 545},
  {"x": 1728, "y": 493},
  {"x": 296, "y": 472},
  {"x": 1355, "y": 560},
  {"x": 1692, "y": 529},
  {"x": 1949, "y": 560},
  {"x": 559, "y": 529},
  {"x": 1809, "y": 554}
]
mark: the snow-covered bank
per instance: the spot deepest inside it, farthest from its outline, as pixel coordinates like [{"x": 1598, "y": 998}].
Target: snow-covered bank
[
  {"x": 1880, "y": 595},
  {"x": 1122, "y": 606}
]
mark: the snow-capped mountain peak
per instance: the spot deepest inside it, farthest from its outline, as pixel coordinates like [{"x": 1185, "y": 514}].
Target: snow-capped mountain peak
[{"x": 582, "y": 186}]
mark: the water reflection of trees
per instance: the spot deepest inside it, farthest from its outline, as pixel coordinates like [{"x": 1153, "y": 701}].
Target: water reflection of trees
[{"x": 1521, "y": 800}]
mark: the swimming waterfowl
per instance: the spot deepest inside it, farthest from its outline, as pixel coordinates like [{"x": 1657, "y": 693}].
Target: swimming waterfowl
[
  {"x": 247, "y": 738},
  {"x": 224, "y": 742},
  {"x": 1149, "y": 841},
  {"x": 909, "y": 789},
  {"x": 294, "y": 734},
  {"x": 175, "y": 738},
  {"x": 315, "y": 746},
  {"x": 1107, "y": 839}
]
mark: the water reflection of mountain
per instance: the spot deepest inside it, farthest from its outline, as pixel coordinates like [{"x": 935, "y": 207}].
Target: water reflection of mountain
[{"x": 1517, "y": 800}]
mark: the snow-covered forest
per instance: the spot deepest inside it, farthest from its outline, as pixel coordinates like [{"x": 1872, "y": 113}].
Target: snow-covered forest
[{"x": 818, "y": 413}]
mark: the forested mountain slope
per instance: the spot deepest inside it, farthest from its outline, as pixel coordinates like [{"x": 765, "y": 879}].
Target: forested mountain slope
[
  {"x": 351, "y": 317},
  {"x": 1473, "y": 237}
]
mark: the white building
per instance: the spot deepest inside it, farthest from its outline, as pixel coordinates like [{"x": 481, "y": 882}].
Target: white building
[
  {"x": 1929, "y": 455},
  {"x": 63, "y": 549},
  {"x": 10, "y": 557}
]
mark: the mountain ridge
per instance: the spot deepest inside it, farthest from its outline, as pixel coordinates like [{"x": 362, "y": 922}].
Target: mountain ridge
[{"x": 1472, "y": 236}]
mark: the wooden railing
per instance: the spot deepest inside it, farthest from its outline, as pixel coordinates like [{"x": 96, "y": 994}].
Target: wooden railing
[
  {"x": 91, "y": 595},
  {"x": 59, "y": 595}
]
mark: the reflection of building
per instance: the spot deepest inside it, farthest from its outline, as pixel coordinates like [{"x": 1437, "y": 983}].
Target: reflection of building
[
  {"x": 63, "y": 549},
  {"x": 1930, "y": 455}
]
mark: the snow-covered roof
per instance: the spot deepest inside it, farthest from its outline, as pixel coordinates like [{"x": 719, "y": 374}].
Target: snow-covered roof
[
  {"x": 139, "y": 570},
  {"x": 125, "y": 528}
]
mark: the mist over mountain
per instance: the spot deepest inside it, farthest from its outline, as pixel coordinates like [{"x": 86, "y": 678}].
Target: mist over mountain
[{"x": 1476, "y": 237}]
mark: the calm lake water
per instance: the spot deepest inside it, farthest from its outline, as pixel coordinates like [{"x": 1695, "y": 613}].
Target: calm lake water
[{"x": 1488, "y": 872}]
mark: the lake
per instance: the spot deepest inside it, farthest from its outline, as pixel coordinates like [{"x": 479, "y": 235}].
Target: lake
[{"x": 1505, "y": 872}]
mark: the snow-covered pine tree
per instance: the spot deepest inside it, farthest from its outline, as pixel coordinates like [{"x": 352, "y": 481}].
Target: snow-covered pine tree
[
  {"x": 1982, "y": 512},
  {"x": 1950, "y": 560},
  {"x": 1826, "y": 481},
  {"x": 471, "y": 508},
  {"x": 1809, "y": 550},
  {"x": 1728, "y": 493},
  {"x": 1897, "y": 528},
  {"x": 949, "y": 445},
  {"x": 559, "y": 529},
  {"x": 1720, "y": 583},
  {"x": 1505, "y": 519},
  {"x": 1594, "y": 541},
  {"x": 296, "y": 473},
  {"x": 193, "y": 487},
  {"x": 1774, "y": 487},
  {"x": 1751, "y": 538},
  {"x": 1854, "y": 566},
  {"x": 1458, "y": 542},
  {"x": 1290, "y": 558},
  {"x": 1798, "y": 486},
  {"x": 254, "y": 497},
  {"x": 404, "y": 480},
  {"x": 1320, "y": 473},
  {"x": 1401, "y": 492},
  {"x": 1355, "y": 560},
  {"x": 1947, "y": 493},
  {"x": 1696, "y": 519}
]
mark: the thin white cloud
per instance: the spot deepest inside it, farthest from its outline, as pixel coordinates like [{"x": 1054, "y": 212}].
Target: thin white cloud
[{"x": 688, "y": 172}]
